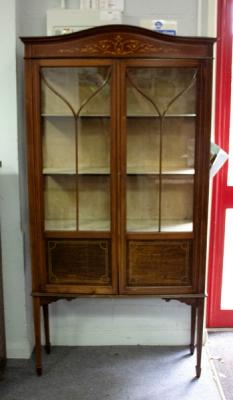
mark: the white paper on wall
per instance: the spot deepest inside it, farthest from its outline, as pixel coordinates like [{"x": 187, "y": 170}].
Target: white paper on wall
[
  {"x": 110, "y": 15},
  {"x": 111, "y": 5},
  {"x": 94, "y": 4},
  {"x": 217, "y": 158},
  {"x": 85, "y": 4}
]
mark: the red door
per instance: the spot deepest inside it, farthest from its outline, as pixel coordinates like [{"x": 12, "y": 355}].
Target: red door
[{"x": 220, "y": 284}]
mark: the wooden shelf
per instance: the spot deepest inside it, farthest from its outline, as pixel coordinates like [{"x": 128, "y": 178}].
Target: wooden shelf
[
  {"x": 105, "y": 171},
  {"x": 45, "y": 115},
  {"x": 132, "y": 225},
  {"x": 94, "y": 225},
  {"x": 180, "y": 171},
  {"x": 153, "y": 226},
  {"x": 60, "y": 225},
  {"x": 81, "y": 171},
  {"x": 157, "y": 116},
  {"x": 59, "y": 171},
  {"x": 94, "y": 170},
  {"x": 141, "y": 171},
  {"x": 84, "y": 225}
]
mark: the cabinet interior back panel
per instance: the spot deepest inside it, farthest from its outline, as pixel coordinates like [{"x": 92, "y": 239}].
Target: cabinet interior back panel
[
  {"x": 60, "y": 202},
  {"x": 142, "y": 202},
  {"x": 94, "y": 203},
  {"x": 59, "y": 144},
  {"x": 94, "y": 145},
  {"x": 177, "y": 144},
  {"x": 92, "y": 140},
  {"x": 144, "y": 212}
]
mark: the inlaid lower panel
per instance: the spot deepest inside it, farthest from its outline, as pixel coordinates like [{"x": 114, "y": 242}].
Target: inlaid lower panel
[
  {"x": 84, "y": 262},
  {"x": 159, "y": 263}
]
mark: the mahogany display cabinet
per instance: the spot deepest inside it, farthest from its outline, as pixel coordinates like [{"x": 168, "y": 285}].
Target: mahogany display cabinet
[{"x": 118, "y": 121}]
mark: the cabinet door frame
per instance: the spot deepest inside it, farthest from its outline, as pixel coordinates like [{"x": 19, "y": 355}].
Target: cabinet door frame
[
  {"x": 222, "y": 193},
  {"x": 35, "y": 177},
  {"x": 202, "y": 137}
]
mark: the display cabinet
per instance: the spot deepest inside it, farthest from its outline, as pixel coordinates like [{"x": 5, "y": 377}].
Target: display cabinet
[{"x": 118, "y": 155}]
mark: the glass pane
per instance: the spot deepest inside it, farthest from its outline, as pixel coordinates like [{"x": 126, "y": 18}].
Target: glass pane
[
  {"x": 177, "y": 204},
  {"x": 178, "y": 145},
  {"x": 143, "y": 143},
  {"x": 94, "y": 145},
  {"x": 155, "y": 91},
  {"x": 60, "y": 202},
  {"x": 59, "y": 145},
  {"x": 142, "y": 203},
  {"x": 66, "y": 91},
  {"x": 94, "y": 203},
  {"x": 75, "y": 112},
  {"x": 161, "y": 124}
]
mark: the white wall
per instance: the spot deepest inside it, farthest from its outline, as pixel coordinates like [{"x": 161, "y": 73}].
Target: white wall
[
  {"x": 82, "y": 321},
  {"x": 11, "y": 235}
]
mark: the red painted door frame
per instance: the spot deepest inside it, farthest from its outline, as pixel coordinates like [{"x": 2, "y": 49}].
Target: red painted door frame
[{"x": 222, "y": 196}]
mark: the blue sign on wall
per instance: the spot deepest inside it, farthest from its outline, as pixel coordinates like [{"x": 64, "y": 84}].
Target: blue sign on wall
[{"x": 166, "y": 27}]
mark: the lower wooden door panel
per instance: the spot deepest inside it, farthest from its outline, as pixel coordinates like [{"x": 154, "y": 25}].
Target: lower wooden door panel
[
  {"x": 79, "y": 262},
  {"x": 154, "y": 266},
  {"x": 89, "y": 266}
]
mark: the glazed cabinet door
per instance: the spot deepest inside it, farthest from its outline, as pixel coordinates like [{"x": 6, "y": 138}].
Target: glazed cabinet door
[
  {"x": 77, "y": 182},
  {"x": 158, "y": 136}
]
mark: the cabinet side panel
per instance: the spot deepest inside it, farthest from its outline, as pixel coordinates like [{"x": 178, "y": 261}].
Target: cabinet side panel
[
  {"x": 31, "y": 171},
  {"x": 202, "y": 178}
]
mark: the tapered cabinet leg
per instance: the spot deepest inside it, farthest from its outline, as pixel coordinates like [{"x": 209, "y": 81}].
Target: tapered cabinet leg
[
  {"x": 200, "y": 321},
  {"x": 46, "y": 328},
  {"x": 37, "y": 329},
  {"x": 193, "y": 328}
]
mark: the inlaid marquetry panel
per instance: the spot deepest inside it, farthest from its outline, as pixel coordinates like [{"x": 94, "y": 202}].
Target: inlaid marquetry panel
[
  {"x": 82, "y": 262},
  {"x": 159, "y": 263},
  {"x": 120, "y": 41}
]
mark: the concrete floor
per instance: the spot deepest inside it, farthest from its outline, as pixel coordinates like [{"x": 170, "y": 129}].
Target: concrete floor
[
  {"x": 110, "y": 373},
  {"x": 221, "y": 351}
]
